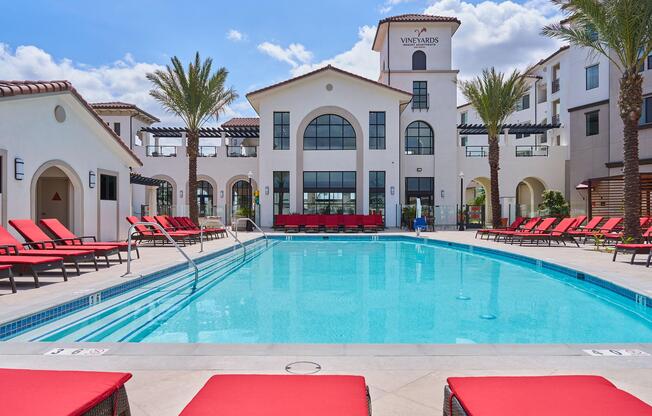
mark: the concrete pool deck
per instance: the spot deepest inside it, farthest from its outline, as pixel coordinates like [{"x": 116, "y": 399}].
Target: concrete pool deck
[{"x": 404, "y": 379}]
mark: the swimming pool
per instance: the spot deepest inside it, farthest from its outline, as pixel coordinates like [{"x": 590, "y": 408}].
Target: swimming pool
[{"x": 359, "y": 290}]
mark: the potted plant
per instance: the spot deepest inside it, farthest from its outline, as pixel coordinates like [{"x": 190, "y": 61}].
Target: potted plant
[{"x": 554, "y": 204}]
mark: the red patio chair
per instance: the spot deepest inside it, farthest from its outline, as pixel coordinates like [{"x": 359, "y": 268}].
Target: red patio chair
[
  {"x": 36, "y": 238},
  {"x": 162, "y": 221},
  {"x": 618, "y": 236},
  {"x": 590, "y": 226},
  {"x": 331, "y": 223},
  {"x": 73, "y": 393},
  {"x": 351, "y": 223},
  {"x": 292, "y": 223},
  {"x": 606, "y": 229},
  {"x": 380, "y": 223},
  {"x": 34, "y": 265},
  {"x": 312, "y": 223},
  {"x": 578, "y": 222},
  {"x": 191, "y": 226},
  {"x": 281, "y": 395},
  {"x": 279, "y": 221},
  {"x": 539, "y": 396},
  {"x": 60, "y": 231},
  {"x": 513, "y": 227},
  {"x": 557, "y": 234},
  {"x": 528, "y": 227},
  {"x": 369, "y": 224},
  {"x": 542, "y": 227},
  {"x": 154, "y": 235}
]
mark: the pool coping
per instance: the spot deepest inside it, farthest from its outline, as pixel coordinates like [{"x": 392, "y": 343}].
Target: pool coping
[{"x": 14, "y": 326}]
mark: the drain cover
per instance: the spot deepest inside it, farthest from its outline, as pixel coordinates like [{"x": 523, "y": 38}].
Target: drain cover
[
  {"x": 488, "y": 316},
  {"x": 303, "y": 367}
]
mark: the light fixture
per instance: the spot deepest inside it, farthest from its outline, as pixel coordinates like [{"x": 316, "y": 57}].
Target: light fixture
[
  {"x": 19, "y": 169},
  {"x": 221, "y": 194},
  {"x": 267, "y": 190},
  {"x": 419, "y": 169},
  {"x": 391, "y": 190},
  {"x": 250, "y": 175},
  {"x": 91, "y": 179},
  {"x": 442, "y": 194},
  {"x": 180, "y": 194}
]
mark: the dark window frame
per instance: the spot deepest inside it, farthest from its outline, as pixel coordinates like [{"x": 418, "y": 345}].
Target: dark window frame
[
  {"x": 377, "y": 141},
  {"x": 116, "y": 127},
  {"x": 597, "y": 77},
  {"x": 108, "y": 187},
  {"x": 419, "y": 61},
  {"x": 165, "y": 198},
  {"x": 425, "y": 190},
  {"x": 281, "y": 130},
  {"x": 347, "y": 136},
  {"x": 420, "y": 95},
  {"x": 281, "y": 190},
  {"x": 419, "y": 149},
  {"x": 377, "y": 192},
  {"x": 592, "y": 126},
  {"x": 646, "y": 111},
  {"x": 205, "y": 197},
  {"x": 328, "y": 189}
]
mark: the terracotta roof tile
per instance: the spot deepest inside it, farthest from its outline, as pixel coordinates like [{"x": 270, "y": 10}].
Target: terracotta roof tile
[
  {"x": 14, "y": 88},
  {"x": 242, "y": 122},
  {"x": 420, "y": 18},
  {"x": 119, "y": 105}
]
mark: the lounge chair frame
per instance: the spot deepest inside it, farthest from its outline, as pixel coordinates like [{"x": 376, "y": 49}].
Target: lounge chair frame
[
  {"x": 6, "y": 273},
  {"x": 34, "y": 269}
]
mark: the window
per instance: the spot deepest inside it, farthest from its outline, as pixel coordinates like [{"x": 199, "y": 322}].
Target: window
[
  {"x": 592, "y": 77},
  {"x": 419, "y": 61},
  {"x": 241, "y": 197},
  {"x": 420, "y": 95},
  {"x": 205, "y": 198},
  {"x": 646, "y": 111},
  {"x": 523, "y": 103},
  {"x": 108, "y": 188},
  {"x": 377, "y": 130},
  {"x": 281, "y": 192},
  {"x": 329, "y": 192},
  {"x": 116, "y": 128},
  {"x": 592, "y": 123},
  {"x": 464, "y": 117},
  {"x": 164, "y": 194},
  {"x": 418, "y": 139},
  {"x": 649, "y": 62},
  {"x": 329, "y": 132},
  {"x": 377, "y": 192},
  {"x": 464, "y": 140},
  {"x": 422, "y": 188},
  {"x": 281, "y": 130}
]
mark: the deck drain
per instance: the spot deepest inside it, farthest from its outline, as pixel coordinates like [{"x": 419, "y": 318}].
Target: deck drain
[
  {"x": 303, "y": 367},
  {"x": 487, "y": 316}
]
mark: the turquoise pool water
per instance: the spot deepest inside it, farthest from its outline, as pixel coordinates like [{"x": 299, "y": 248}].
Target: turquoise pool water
[{"x": 360, "y": 291}]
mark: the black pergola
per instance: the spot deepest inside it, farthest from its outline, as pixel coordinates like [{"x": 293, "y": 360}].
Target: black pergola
[
  {"x": 231, "y": 131},
  {"x": 519, "y": 128},
  {"x": 138, "y": 179}
]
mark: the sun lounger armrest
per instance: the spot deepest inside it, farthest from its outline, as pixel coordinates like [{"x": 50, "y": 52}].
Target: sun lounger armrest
[
  {"x": 67, "y": 240},
  {"x": 89, "y": 237},
  {"x": 9, "y": 249},
  {"x": 41, "y": 244}
]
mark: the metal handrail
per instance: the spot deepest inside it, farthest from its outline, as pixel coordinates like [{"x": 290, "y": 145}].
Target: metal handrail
[
  {"x": 237, "y": 221},
  {"x": 235, "y": 237},
  {"x": 174, "y": 243}
]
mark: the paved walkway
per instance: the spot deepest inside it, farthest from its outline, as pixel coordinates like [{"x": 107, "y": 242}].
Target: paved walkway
[{"x": 404, "y": 379}]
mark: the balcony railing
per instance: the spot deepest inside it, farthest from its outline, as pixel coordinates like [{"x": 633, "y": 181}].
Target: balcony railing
[
  {"x": 207, "y": 151},
  {"x": 477, "y": 151},
  {"x": 555, "y": 119},
  {"x": 241, "y": 151},
  {"x": 421, "y": 102},
  {"x": 531, "y": 151},
  {"x": 161, "y": 151},
  {"x": 555, "y": 85}
]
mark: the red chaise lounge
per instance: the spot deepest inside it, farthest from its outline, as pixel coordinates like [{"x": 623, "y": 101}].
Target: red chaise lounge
[
  {"x": 558, "y": 234},
  {"x": 539, "y": 396},
  {"x": 281, "y": 395},
  {"x": 34, "y": 264},
  {"x": 5, "y": 273},
  {"x": 69, "y": 393},
  {"x": 512, "y": 227},
  {"x": 153, "y": 235}
]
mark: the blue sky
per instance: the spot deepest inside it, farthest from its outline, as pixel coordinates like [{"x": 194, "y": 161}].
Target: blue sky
[{"x": 105, "y": 49}]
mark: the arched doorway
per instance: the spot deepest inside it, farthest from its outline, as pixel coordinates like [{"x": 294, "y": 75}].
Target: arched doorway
[
  {"x": 241, "y": 199},
  {"x": 165, "y": 198},
  {"x": 205, "y": 198},
  {"x": 477, "y": 196},
  {"x": 528, "y": 196},
  {"x": 55, "y": 196}
]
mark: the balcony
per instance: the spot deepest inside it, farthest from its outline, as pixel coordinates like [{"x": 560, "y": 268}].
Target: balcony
[
  {"x": 555, "y": 119},
  {"x": 241, "y": 151},
  {"x": 421, "y": 102},
  {"x": 477, "y": 151},
  {"x": 555, "y": 85},
  {"x": 161, "y": 151},
  {"x": 531, "y": 151},
  {"x": 207, "y": 151}
]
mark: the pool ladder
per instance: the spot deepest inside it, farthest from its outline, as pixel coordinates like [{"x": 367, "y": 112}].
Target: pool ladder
[{"x": 237, "y": 221}]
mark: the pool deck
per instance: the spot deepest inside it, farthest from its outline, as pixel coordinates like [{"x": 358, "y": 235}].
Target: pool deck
[{"x": 404, "y": 379}]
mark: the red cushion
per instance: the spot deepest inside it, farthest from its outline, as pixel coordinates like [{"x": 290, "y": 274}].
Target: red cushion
[
  {"x": 635, "y": 246},
  {"x": 544, "y": 396},
  {"x": 29, "y": 259},
  {"x": 39, "y": 392},
  {"x": 280, "y": 395}
]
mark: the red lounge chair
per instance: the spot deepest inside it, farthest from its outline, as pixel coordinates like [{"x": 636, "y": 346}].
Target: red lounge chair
[
  {"x": 557, "y": 234},
  {"x": 292, "y": 223},
  {"x": 71, "y": 393},
  {"x": 616, "y": 237},
  {"x": 331, "y": 223},
  {"x": 280, "y": 395},
  {"x": 369, "y": 224},
  {"x": 578, "y": 222},
  {"x": 512, "y": 227},
  {"x": 590, "y": 226},
  {"x": 543, "y": 227},
  {"x": 380, "y": 223},
  {"x": 351, "y": 224},
  {"x": 34, "y": 264},
  {"x": 185, "y": 223},
  {"x": 10, "y": 246},
  {"x": 60, "y": 231},
  {"x": 606, "y": 229},
  {"x": 635, "y": 249},
  {"x": 189, "y": 233},
  {"x": 539, "y": 396},
  {"x": 5, "y": 273},
  {"x": 144, "y": 233},
  {"x": 36, "y": 238},
  {"x": 279, "y": 221},
  {"x": 312, "y": 223},
  {"x": 528, "y": 227}
]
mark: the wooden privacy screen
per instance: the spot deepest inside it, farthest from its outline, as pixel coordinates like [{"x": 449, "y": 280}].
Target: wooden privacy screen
[{"x": 606, "y": 196}]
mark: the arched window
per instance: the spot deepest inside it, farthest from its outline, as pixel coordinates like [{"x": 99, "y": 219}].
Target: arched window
[
  {"x": 164, "y": 198},
  {"x": 241, "y": 199},
  {"x": 329, "y": 132},
  {"x": 205, "y": 198},
  {"x": 419, "y": 61},
  {"x": 418, "y": 139}
]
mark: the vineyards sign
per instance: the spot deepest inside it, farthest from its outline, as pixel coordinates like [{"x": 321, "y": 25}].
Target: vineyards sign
[{"x": 420, "y": 40}]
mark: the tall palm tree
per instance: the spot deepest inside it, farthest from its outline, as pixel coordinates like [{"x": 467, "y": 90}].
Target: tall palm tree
[
  {"x": 621, "y": 30},
  {"x": 195, "y": 96},
  {"x": 494, "y": 97}
]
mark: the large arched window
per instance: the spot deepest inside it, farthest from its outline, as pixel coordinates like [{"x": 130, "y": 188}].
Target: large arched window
[
  {"x": 241, "y": 199},
  {"x": 418, "y": 139},
  {"x": 329, "y": 132},
  {"x": 205, "y": 198},
  {"x": 419, "y": 61},
  {"x": 164, "y": 198}
]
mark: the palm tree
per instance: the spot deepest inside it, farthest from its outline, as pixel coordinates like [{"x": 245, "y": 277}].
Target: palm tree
[
  {"x": 494, "y": 97},
  {"x": 195, "y": 96},
  {"x": 621, "y": 30}
]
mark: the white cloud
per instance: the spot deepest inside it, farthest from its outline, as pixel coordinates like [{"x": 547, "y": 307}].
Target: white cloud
[
  {"x": 389, "y": 5},
  {"x": 235, "y": 36},
  {"x": 295, "y": 54}
]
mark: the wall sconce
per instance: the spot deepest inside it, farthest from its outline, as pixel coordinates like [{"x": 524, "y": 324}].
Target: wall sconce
[
  {"x": 267, "y": 190},
  {"x": 19, "y": 169},
  {"x": 180, "y": 194},
  {"x": 419, "y": 169},
  {"x": 391, "y": 190},
  {"x": 442, "y": 194},
  {"x": 91, "y": 179},
  {"x": 221, "y": 194}
]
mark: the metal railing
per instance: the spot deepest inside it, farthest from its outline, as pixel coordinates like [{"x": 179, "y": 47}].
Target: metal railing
[
  {"x": 555, "y": 119},
  {"x": 237, "y": 221},
  {"x": 241, "y": 151},
  {"x": 555, "y": 85},
  {"x": 174, "y": 243},
  {"x": 161, "y": 151},
  {"x": 531, "y": 151},
  {"x": 477, "y": 151}
]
